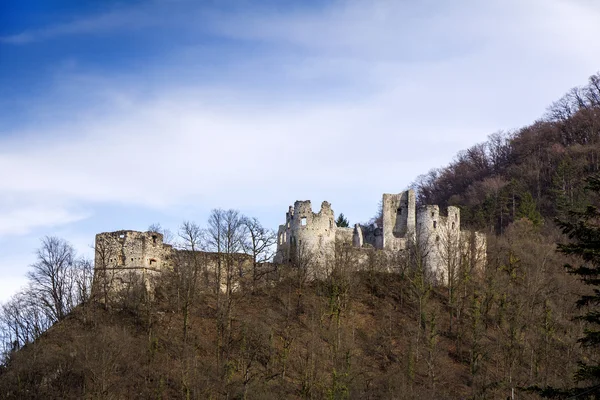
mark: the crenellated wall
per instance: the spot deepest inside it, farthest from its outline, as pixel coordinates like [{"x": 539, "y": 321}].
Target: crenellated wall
[
  {"x": 305, "y": 229},
  {"x": 438, "y": 236}
]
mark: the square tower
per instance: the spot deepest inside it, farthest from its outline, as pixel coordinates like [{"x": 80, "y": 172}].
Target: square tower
[{"x": 398, "y": 217}]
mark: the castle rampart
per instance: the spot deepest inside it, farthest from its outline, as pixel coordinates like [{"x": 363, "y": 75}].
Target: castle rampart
[
  {"x": 127, "y": 257},
  {"x": 123, "y": 256},
  {"x": 438, "y": 236}
]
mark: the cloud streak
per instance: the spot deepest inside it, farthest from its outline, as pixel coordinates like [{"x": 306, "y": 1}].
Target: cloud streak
[
  {"x": 353, "y": 95},
  {"x": 108, "y": 22}
]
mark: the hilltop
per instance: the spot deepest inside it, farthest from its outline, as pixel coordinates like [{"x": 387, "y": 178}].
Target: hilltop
[{"x": 383, "y": 332}]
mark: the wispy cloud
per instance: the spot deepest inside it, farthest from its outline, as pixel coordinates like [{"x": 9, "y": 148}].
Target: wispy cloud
[
  {"x": 108, "y": 22},
  {"x": 19, "y": 220},
  {"x": 353, "y": 95}
]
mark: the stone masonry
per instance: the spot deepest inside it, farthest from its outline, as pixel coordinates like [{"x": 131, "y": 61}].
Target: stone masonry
[
  {"x": 126, "y": 257},
  {"x": 438, "y": 236}
]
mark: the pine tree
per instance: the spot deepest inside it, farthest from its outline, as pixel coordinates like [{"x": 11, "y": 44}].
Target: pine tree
[
  {"x": 342, "y": 221},
  {"x": 583, "y": 230},
  {"x": 528, "y": 209}
]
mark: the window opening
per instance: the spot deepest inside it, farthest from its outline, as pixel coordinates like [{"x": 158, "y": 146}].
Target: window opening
[
  {"x": 453, "y": 225},
  {"x": 154, "y": 239},
  {"x": 152, "y": 261},
  {"x": 434, "y": 224},
  {"x": 303, "y": 221}
]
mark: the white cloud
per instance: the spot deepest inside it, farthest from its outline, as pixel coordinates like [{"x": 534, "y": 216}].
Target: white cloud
[
  {"x": 18, "y": 220},
  {"x": 418, "y": 83}
]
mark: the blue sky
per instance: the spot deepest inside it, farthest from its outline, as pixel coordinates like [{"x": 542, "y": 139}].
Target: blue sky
[{"x": 118, "y": 114}]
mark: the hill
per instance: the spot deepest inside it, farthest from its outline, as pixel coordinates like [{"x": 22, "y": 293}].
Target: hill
[
  {"x": 383, "y": 332},
  {"x": 355, "y": 335}
]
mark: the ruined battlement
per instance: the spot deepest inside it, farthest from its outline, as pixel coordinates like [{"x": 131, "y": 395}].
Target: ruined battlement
[
  {"x": 402, "y": 224},
  {"x": 305, "y": 229},
  {"x": 132, "y": 250},
  {"x": 124, "y": 256}
]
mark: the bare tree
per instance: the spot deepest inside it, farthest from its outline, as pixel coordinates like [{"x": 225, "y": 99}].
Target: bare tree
[
  {"x": 259, "y": 244},
  {"x": 52, "y": 277},
  {"x": 420, "y": 277},
  {"x": 225, "y": 237},
  {"x": 168, "y": 236},
  {"x": 105, "y": 270},
  {"x": 22, "y": 320},
  {"x": 83, "y": 275},
  {"x": 188, "y": 268}
]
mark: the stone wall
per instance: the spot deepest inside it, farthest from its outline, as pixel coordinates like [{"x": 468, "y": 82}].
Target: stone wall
[
  {"x": 305, "y": 229},
  {"x": 344, "y": 236},
  {"x": 126, "y": 258},
  {"x": 398, "y": 219},
  {"x": 438, "y": 236}
]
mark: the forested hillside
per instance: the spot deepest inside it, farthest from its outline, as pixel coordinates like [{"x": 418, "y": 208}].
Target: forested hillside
[
  {"x": 536, "y": 172},
  {"x": 372, "y": 334},
  {"x": 384, "y": 332}
]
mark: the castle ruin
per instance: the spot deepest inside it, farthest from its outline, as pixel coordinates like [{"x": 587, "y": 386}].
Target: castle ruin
[
  {"x": 438, "y": 236},
  {"x": 124, "y": 257}
]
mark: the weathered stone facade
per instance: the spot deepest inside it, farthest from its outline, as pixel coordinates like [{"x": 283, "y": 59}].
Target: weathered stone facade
[
  {"x": 439, "y": 236},
  {"x": 123, "y": 256},
  {"x": 126, "y": 257}
]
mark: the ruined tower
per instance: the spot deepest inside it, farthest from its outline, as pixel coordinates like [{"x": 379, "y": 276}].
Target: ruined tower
[
  {"x": 306, "y": 230},
  {"x": 398, "y": 219},
  {"x": 124, "y": 256},
  {"x": 440, "y": 240},
  {"x": 438, "y": 237}
]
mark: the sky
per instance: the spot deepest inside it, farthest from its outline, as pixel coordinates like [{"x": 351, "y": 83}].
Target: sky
[{"x": 120, "y": 114}]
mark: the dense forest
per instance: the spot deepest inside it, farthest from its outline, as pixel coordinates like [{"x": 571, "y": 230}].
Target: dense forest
[
  {"x": 384, "y": 332},
  {"x": 537, "y": 172}
]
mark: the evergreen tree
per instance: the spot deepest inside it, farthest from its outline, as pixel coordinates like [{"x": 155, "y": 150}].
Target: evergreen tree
[
  {"x": 528, "y": 209},
  {"x": 583, "y": 230},
  {"x": 342, "y": 221}
]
